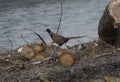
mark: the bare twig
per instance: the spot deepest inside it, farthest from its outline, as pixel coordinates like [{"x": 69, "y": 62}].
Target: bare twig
[
  {"x": 39, "y": 62},
  {"x": 101, "y": 55},
  {"x": 39, "y": 36},
  {"x": 24, "y": 39},
  {"x": 60, "y": 18},
  {"x": 28, "y": 43},
  {"x": 11, "y": 43}
]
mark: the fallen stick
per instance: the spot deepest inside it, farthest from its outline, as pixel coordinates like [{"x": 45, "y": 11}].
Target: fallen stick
[
  {"x": 39, "y": 36},
  {"x": 39, "y": 62}
]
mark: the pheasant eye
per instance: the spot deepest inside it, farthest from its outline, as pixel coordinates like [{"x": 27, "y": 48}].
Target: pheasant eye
[{"x": 46, "y": 29}]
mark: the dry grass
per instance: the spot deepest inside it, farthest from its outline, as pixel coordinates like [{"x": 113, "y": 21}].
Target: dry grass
[{"x": 92, "y": 60}]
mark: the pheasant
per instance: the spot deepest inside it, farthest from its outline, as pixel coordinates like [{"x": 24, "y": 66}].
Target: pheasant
[{"x": 59, "y": 39}]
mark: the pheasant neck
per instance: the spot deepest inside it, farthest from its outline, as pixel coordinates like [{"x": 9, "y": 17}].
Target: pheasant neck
[{"x": 50, "y": 33}]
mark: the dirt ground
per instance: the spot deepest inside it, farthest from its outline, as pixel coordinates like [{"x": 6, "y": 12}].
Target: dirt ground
[{"x": 95, "y": 61}]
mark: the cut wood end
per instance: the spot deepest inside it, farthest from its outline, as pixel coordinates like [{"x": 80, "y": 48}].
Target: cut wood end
[
  {"x": 66, "y": 59},
  {"x": 26, "y": 49},
  {"x": 30, "y": 51},
  {"x": 30, "y": 55},
  {"x": 35, "y": 31},
  {"x": 40, "y": 57},
  {"x": 38, "y": 48},
  {"x": 114, "y": 8}
]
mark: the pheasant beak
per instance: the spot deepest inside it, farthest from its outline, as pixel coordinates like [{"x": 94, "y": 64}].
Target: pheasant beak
[{"x": 44, "y": 30}]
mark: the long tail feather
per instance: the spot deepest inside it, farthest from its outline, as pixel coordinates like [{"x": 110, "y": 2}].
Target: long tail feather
[{"x": 74, "y": 37}]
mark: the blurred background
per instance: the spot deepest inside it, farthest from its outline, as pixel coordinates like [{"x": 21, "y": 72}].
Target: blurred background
[{"x": 19, "y": 17}]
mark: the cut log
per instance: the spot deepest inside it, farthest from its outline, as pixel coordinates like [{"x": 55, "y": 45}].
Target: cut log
[
  {"x": 40, "y": 56},
  {"x": 27, "y": 51},
  {"x": 109, "y": 25},
  {"x": 32, "y": 51},
  {"x": 93, "y": 61},
  {"x": 66, "y": 58}
]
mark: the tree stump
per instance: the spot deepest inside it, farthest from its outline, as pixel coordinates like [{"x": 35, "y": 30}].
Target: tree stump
[{"x": 109, "y": 25}]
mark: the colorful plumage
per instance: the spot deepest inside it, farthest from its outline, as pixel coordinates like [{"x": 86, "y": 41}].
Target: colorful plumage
[{"x": 59, "y": 39}]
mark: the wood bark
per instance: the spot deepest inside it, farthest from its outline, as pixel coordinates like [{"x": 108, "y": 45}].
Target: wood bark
[{"x": 109, "y": 25}]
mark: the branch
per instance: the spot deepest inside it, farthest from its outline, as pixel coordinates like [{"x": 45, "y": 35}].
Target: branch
[
  {"x": 10, "y": 43},
  {"x": 60, "y": 18},
  {"x": 24, "y": 39},
  {"x": 39, "y": 36}
]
